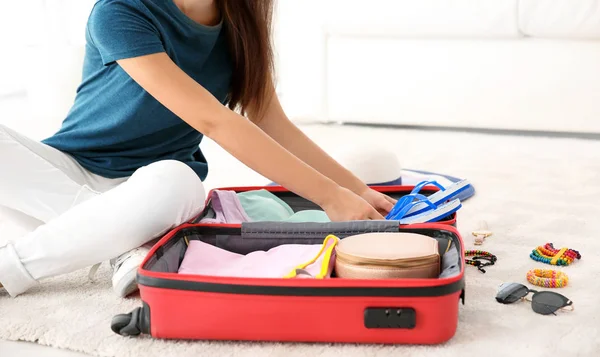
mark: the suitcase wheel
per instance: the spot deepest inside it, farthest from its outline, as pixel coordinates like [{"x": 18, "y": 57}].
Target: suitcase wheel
[{"x": 127, "y": 324}]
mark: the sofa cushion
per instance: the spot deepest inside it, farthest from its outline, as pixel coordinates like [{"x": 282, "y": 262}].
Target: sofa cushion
[
  {"x": 422, "y": 18},
  {"x": 560, "y": 18}
]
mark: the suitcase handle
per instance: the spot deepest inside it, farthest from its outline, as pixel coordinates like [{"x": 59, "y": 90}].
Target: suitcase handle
[{"x": 132, "y": 324}]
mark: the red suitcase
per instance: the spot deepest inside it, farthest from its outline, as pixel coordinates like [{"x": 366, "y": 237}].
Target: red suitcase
[{"x": 194, "y": 307}]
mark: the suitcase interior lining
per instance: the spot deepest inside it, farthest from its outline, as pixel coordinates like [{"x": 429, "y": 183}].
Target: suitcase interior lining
[{"x": 168, "y": 257}]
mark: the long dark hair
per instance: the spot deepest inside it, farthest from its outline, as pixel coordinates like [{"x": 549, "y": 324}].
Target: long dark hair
[{"x": 248, "y": 25}]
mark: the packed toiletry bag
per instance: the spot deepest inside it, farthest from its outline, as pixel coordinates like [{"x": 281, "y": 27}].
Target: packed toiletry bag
[{"x": 390, "y": 311}]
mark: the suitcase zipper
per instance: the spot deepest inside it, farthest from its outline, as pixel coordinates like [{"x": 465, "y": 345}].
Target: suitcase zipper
[{"x": 278, "y": 290}]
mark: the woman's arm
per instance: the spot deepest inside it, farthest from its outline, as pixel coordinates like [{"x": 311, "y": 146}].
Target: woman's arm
[
  {"x": 276, "y": 124},
  {"x": 168, "y": 84}
]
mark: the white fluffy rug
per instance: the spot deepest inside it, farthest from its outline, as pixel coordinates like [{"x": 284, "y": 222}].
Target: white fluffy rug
[{"x": 529, "y": 190}]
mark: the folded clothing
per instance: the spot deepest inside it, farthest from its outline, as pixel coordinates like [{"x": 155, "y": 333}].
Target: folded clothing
[
  {"x": 262, "y": 205},
  {"x": 256, "y": 206},
  {"x": 226, "y": 208},
  {"x": 285, "y": 261},
  {"x": 308, "y": 216}
]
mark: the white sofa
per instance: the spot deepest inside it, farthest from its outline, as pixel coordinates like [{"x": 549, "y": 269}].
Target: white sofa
[{"x": 503, "y": 64}]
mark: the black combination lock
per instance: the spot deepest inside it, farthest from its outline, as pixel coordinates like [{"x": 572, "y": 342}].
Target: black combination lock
[{"x": 390, "y": 317}]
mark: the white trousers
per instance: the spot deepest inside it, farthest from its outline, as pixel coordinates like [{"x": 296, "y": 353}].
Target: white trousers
[{"x": 87, "y": 219}]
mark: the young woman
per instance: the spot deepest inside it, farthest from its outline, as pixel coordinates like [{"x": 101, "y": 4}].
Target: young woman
[{"x": 126, "y": 166}]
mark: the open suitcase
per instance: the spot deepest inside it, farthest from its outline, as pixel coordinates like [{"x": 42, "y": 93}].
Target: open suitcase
[{"x": 195, "y": 307}]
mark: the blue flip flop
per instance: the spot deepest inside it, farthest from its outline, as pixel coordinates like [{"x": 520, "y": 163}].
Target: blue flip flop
[
  {"x": 438, "y": 198},
  {"x": 434, "y": 212},
  {"x": 406, "y": 203},
  {"x": 442, "y": 211},
  {"x": 413, "y": 177}
]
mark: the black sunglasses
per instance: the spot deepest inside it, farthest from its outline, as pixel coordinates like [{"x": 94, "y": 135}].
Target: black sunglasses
[{"x": 542, "y": 302}]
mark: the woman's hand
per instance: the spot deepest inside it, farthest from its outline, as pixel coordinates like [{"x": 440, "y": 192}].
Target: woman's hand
[
  {"x": 382, "y": 203},
  {"x": 345, "y": 205}
]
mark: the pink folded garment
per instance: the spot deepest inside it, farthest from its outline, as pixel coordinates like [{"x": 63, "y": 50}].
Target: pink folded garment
[
  {"x": 285, "y": 261},
  {"x": 227, "y": 208}
]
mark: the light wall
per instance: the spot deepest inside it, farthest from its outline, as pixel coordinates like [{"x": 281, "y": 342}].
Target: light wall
[
  {"x": 464, "y": 63},
  {"x": 41, "y": 60}
]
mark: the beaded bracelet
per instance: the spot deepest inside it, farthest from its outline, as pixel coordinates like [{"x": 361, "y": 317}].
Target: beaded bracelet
[
  {"x": 479, "y": 255},
  {"x": 549, "y": 255},
  {"x": 547, "y": 278}
]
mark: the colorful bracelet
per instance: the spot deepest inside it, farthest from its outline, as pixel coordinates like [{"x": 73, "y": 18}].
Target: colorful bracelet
[
  {"x": 479, "y": 255},
  {"x": 549, "y": 255},
  {"x": 547, "y": 278}
]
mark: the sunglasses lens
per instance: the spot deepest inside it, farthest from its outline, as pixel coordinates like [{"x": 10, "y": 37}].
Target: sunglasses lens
[
  {"x": 547, "y": 302},
  {"x": 511, "y": 292}
]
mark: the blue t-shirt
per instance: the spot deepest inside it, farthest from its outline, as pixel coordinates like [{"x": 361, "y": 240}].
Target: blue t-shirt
[{"x": 115, "y": 126}]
